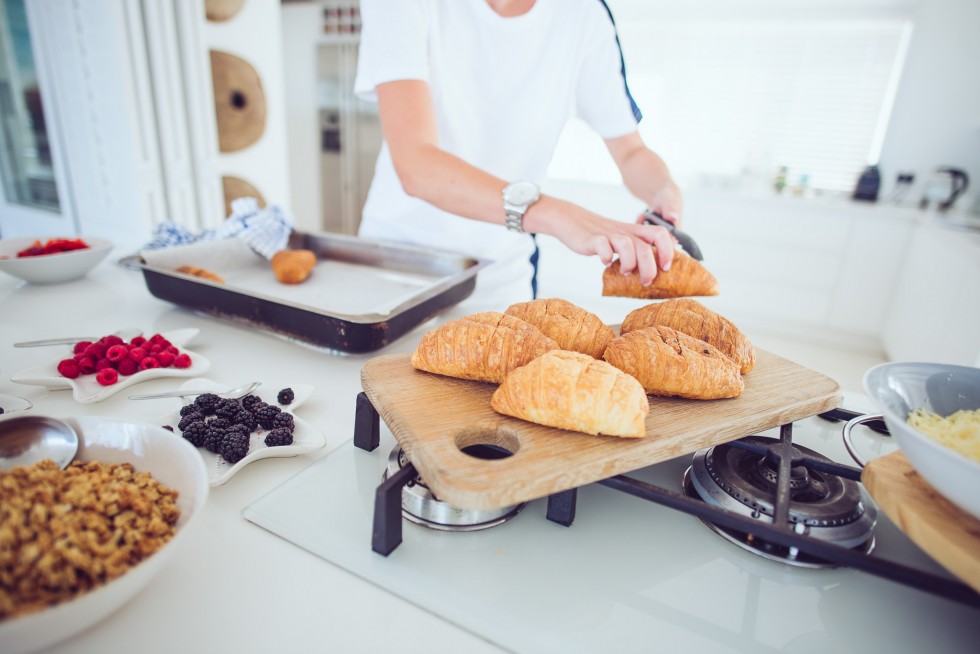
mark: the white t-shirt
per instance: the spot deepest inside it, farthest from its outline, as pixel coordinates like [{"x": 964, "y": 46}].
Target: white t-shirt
[{"x": 503, "y": 90}]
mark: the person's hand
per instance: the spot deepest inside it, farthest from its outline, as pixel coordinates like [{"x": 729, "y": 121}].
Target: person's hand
[
  {"x": 587, "y": 233},
  {"x": 668, "y": 203}
]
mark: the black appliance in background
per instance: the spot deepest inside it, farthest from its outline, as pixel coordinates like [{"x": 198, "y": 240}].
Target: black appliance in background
[{"x": 868, "y": 185}]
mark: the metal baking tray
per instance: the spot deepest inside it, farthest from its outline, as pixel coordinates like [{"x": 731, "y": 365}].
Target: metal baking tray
[{"x": 362, "y": 295}]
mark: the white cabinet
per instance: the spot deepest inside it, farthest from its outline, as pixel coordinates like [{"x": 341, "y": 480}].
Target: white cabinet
[{"x": 935, "y": 313}]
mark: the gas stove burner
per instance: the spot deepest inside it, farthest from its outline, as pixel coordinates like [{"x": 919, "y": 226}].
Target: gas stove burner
[
  {"x": 421, "y": 506},
  {"x": 823, "y": 506}
]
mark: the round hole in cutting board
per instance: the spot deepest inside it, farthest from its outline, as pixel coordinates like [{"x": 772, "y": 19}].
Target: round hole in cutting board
[{"x": 487, "y": 444}]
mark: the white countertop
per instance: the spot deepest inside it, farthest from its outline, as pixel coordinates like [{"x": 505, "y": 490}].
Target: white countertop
[
  {"x": 236, "y": 587},
  {"x": 232, "y": 587}
]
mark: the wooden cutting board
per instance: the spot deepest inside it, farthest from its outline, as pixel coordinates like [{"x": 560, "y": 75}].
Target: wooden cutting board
[
  {"x": 433, "y": 417},
  {"x": 947, "y": 533}
]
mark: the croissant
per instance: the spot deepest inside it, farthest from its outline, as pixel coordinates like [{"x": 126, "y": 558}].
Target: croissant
[
  {"x": 571, "y": 390},
  {"x": 293, "y": 266},
  {"x": 203, "y": 273},
  {"x": 483, "y": 346},
  {"x": 687, "y": 276},
  {"x": 572, "y": 327},
  {"x": 697, "y": 320},
  {"x": 668, "y": 362}
]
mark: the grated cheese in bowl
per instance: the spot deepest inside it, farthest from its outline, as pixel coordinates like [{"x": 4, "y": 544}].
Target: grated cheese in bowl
[{"x": 959, "y": 431}]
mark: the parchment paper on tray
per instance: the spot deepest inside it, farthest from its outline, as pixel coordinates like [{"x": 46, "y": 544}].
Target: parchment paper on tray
[
  {"x": 336, "y": 286},
  {"x": 361, "y": 295}
]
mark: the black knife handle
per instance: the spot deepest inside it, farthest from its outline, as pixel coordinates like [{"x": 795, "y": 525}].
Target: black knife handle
[{"x": 653, "y": 218}]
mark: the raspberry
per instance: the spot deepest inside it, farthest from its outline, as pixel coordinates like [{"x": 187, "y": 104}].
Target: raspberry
[
  {"x": 286, "y": 396},
  {"x": 149, "y": 363},
  {"x": 86, "y": 365},
  {"x": 137, "y": 341},
  {"x": 155, "y": 348},
  {"x": 165, "y": 358},
  {"x": 137, "y": 353},
  {"x": 182, "y": 361},
  {"x": 102, "y": 364},
  {"x": 110, "y": 340},
  {"x": 80, "y": 346},
  {"x": 127, "y": 366},
  {"x": 69, "y": 368},
  {"x": 172, "y": 350},
  {"x": 95, "y": 350},
  {"x": 116, "y": 352},
  {"x": 278, "y": 437},
  {"x": 107, "y": 376}
]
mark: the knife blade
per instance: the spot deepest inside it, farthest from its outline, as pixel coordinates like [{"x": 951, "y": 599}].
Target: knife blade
[{"x": 651, "y": 217}]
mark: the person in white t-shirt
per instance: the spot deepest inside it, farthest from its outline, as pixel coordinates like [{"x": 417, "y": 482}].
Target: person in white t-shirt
[{"x": 473, "y": 95}]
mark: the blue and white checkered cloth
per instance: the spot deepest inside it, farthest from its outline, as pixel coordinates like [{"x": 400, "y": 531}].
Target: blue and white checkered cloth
[{"x": 265, "y": 230}]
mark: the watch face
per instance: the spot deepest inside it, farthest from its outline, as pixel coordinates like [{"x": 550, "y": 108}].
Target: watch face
[{"x": 521, "y": 193}]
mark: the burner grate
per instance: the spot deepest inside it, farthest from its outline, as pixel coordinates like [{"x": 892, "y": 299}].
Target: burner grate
[{"x": 387, "y": 529}]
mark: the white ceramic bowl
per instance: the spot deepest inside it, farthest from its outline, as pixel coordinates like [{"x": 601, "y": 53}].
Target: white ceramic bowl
[
  {"x": 51, "y": 268},
  {"x": 173, "y": 462},
  {"x": 898, "y": 388}
]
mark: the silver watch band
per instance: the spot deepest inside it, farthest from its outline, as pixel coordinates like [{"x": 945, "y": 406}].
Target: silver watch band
[{"x": 514, "y": 220}]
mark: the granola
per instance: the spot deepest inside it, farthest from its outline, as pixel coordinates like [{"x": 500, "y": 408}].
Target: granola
[{"x": 65, "y": 532}]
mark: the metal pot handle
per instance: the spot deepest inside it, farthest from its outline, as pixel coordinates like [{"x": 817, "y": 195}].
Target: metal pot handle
[{"x": 846, "y": 433}]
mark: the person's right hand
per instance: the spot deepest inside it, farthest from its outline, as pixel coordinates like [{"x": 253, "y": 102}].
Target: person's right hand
[{"x": 588, "y": 233}]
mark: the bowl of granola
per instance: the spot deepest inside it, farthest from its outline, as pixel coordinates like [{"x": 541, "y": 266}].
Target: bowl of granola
[
  {"x": 120, "y": 511},
  {"x": 52, "y": 261}
]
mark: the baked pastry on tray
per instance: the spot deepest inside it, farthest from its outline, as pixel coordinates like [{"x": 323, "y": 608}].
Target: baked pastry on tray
[
  {"x": 695, "y": 319},
  {"x": 687, "y": 276},
  {"x": 668, "y": 362},
  {"x": 572, "y": 327},
  {"x": 571, "y": 390},
  {"x": 293, "y": 266},
  {"x": 483, "y": 346}
]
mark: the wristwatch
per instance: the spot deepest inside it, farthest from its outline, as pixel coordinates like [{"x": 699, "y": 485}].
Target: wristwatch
[{"x": 518, "y": 197}]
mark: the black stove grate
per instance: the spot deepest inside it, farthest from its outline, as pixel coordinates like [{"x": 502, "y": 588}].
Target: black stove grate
[{"x": 387, "y": 529}]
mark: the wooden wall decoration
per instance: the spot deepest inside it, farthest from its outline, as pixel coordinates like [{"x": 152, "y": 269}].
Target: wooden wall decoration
[
  {"x": 239, "y": 101},
  {"x": 236, "y": 187},
  {"x": 222, "y": 10}
]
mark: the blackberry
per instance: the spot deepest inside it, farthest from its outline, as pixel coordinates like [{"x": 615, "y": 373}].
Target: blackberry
[
  {"x": 234, "y": 446},
  {"x": 247, "y": 419},
  {"x": 195, "y": 432},
  {"x": 279, "y": 436},
  {"x": 207, "y": 402},
  {"x": 286, "y": 396},
  {"x": 266, "y": 415},
  {"x": 227, "y": 409},
  {"x": 188, "y": 409},
  {"x": 249, "y": 401},
  {"x": 167, "y": 427},
  {"x": 283, "y": 420},
  {"x": 219, "y": 423},
  {"x": 188, "y": 419},
  {"x": 255, "y": 407},
  {"x": 213, "y": 438}
]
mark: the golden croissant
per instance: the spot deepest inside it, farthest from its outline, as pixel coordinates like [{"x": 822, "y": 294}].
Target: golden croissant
[
  {"x": 571, "y": 390},
  {"x": 668, "y": 362},
  {"x": 572, "y": 327},
  {"x": 687, "y": 276},
  {"x": 695, "y": 319},
  {"x": 483, "y": 346},
  {"x": 293, "y": 266}
]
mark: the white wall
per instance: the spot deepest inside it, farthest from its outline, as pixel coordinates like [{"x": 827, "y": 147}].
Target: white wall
[{"x": 936, "y": 119}]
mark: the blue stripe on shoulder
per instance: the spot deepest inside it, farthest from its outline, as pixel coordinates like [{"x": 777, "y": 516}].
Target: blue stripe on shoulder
[{"x": 622, "y": 66}]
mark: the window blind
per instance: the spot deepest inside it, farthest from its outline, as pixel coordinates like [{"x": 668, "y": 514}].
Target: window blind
[{"x": 736, "y": 98}]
